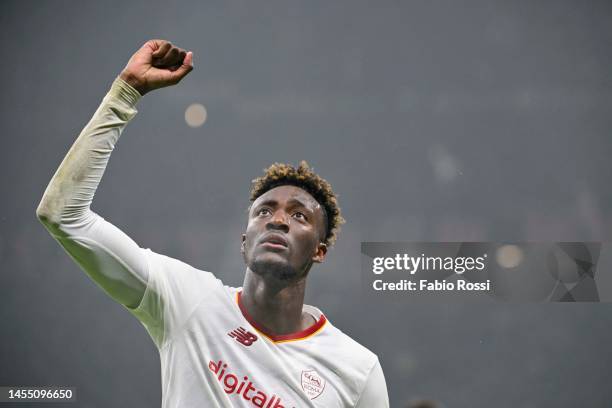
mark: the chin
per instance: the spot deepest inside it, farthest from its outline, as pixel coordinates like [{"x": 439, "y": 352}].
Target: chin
[{"x": 272, "y": 266}]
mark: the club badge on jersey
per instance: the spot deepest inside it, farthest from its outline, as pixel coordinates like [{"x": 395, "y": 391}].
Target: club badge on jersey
[{"x": 312, "y": 383}]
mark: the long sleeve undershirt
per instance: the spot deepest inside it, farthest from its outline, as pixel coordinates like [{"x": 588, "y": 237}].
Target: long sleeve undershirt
[{"x": 111, "y": 258}]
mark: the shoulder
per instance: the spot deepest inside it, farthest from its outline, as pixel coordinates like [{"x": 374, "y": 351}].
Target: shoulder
[
  {"x": 340, "y": 344},
  {"x": 167, "y": 263},
  {"x": 164, "y": 261},
  {"x": 172, "y": 272},
  {"x": 348, "y": 347},
  {"x": 343, "y": 354}
]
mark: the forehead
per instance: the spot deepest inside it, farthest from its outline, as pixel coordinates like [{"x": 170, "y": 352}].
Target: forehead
[{"x": 283, "y": 194}]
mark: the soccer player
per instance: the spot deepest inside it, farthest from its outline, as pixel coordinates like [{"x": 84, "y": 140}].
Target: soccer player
[{"x": 255, "y": 346}]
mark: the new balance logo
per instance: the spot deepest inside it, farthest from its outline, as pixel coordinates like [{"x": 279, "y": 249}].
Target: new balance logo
[{"x": 242, "y": 336}]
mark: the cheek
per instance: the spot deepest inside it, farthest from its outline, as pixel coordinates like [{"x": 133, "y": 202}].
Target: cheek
[
  {"x": 249, "y": 236},
  {"x": 308, "y": 241},
  {"x": 253, "y": 231}
]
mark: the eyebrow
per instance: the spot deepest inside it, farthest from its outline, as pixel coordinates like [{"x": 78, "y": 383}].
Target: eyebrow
[{"x": 291, "y": 202}]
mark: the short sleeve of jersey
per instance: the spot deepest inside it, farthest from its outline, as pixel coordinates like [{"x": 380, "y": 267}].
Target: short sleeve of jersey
[{"x": 173, "y": 292}]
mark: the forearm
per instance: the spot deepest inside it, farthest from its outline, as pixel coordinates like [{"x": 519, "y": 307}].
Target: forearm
[
  {"x": 68, "y": 196},
  {"x": 111, "y": 258}
]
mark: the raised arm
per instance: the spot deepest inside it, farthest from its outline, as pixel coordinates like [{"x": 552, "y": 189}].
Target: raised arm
[{"x": 107, "y": 255}]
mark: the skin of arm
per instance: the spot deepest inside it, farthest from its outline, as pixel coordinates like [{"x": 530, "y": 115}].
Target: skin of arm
[{"x": 108, "y": 256}]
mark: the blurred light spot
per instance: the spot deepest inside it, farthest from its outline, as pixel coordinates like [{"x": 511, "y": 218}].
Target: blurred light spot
[
  {"x": 509, "y": 256},
  {"x": 195, "y": 115},
  {"x": 444, "y": 165}
]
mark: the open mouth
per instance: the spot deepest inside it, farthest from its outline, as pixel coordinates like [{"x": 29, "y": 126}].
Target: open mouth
[
  {"x": 274, "y": 241},
  {"x": 273, "y": 245}
]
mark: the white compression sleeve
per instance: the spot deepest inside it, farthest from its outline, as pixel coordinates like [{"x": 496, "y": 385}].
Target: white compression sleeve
[{"x": 105, "y": 253}]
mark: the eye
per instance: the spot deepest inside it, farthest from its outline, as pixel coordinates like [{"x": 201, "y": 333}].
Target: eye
[
  {"x": 299, "y": 216},
  {"x": 263, "y": 211}
]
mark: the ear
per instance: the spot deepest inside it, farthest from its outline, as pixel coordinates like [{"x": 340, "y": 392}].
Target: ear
[
  {"x": 243, "y": 244},
  {"x": 320, "y": 253}
]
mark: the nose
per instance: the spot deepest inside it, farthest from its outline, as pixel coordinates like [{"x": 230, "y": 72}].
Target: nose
[{"x": 279, "y": 221}]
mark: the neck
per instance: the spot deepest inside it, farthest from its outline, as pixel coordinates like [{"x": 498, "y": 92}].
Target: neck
[{"x": 275, "y": 305}]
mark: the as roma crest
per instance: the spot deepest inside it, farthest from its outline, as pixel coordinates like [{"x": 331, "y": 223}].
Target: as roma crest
[{"x": 312, "y": 383}]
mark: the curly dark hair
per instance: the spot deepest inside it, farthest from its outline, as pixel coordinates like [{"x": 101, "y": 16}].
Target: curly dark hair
[{"x": 280, "y": 174}]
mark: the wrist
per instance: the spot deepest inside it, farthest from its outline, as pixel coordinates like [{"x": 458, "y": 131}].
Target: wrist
[
  {"x": 134, "y": 82},
  {"x": 124, "y": 92}
]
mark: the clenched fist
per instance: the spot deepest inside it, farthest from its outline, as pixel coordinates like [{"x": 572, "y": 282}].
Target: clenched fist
[{"x": 157, "y": 64}]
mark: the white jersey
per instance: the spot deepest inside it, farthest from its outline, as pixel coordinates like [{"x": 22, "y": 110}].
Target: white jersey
[{"x": 212, "y": 353}]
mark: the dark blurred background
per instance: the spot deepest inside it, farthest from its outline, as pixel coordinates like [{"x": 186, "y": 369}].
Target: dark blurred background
[{"x": 433, "y": 120}]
